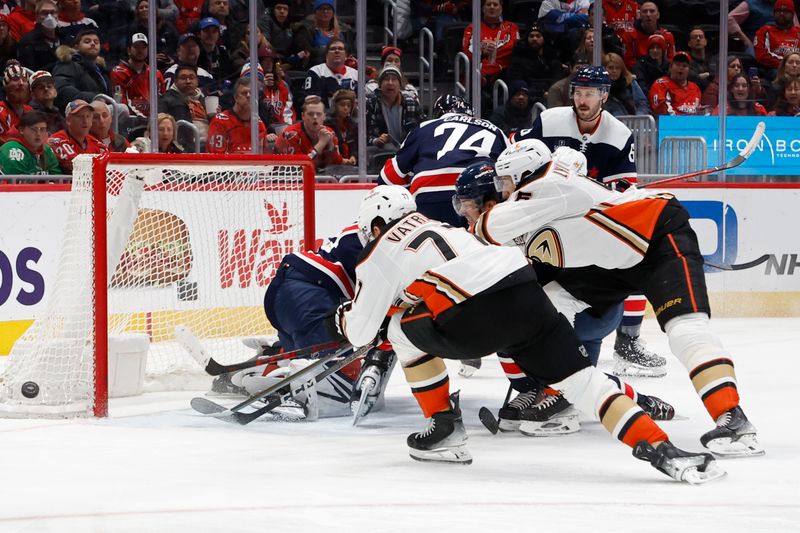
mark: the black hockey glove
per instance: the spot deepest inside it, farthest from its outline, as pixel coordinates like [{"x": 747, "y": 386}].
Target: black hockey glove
[{"x": 334, "y": 321}]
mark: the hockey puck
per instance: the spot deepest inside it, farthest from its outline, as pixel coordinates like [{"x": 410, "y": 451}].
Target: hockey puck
[{"x": 30, "y": 389}]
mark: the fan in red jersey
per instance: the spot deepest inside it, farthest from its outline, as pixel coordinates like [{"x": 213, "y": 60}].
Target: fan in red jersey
[
  {"x": 74, "y": 139},
  {"x": 229, "y": 131},
  {"x": 311, "y": 137}
]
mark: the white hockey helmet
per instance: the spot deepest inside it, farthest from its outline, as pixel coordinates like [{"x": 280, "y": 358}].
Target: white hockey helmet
[
  {"x": 522, "y": 159},
  {"x": 388, "y": 202}
]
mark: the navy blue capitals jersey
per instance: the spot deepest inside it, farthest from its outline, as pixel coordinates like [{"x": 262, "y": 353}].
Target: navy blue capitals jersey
[
  {"x": 608, "y": 149},
  {"x": 434, "y": 154}
]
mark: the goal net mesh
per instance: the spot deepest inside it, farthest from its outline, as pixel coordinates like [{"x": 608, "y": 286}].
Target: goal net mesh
[{"x": 203, "y": 241}]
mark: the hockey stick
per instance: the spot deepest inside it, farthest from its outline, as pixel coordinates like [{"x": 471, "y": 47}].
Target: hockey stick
[
  {"x": 488, "y": 419},
  {"x": 278, "y": 393},
  {"x": 189, "y": 342},
  {"x": 746, "y": 152},
  {"x": 740, "y": 266}
]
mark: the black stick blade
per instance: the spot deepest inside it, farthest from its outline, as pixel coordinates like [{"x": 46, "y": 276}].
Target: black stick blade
[{"x": 488, "y": 420}]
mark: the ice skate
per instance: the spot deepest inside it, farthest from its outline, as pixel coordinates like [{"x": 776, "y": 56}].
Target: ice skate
[
  {"x": 655, "y": 407},
  {"x": 444, "y": 440},
  {"x": 468, "y": 367},
  {"x": 223, "y": 386},
  {"x": 508, "y": 417},
  {"x": 734, "y": 436},
  {"x": 368, "y": 389},
  {"x": 553, "y": 415},
  {"x": 632, "y": 358},
  {"x": 694, "y": 468}
]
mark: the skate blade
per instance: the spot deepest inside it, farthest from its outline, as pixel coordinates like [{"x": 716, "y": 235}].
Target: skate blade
[
  {"x": 508, "y": 426},
  {"x": 693, "y": 476},
  {"x": 744, "y": 446},
  {"x": 555, "y": 427},
  {"x": 635, "y": 371},
  {"x": 456, "y": 455}
]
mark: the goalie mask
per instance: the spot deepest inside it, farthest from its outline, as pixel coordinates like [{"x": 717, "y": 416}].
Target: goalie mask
[
  {"x": 387, "y": 202},
  {"x": 518, "y": 162},
  {"x": 474, "y": 186}
]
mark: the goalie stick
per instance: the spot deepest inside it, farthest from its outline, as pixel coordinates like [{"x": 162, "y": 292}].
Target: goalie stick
[
  {"x": 746, "y": 152},
  {"x": 187, "y": 339},
  {"x": 275, "y": 395}
]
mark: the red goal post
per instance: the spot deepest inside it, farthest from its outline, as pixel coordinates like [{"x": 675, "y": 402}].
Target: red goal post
[{"x": 184, "y": 240}]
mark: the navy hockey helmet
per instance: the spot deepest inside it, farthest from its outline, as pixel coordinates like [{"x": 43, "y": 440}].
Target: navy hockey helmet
[
  {"x": 451, "y": 103},
  {"x": 475, "y": 184},
  {"x": 590, "y": 76}
]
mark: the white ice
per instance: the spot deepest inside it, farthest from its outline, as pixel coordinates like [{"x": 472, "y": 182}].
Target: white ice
[{"x": 155, "y": 465}]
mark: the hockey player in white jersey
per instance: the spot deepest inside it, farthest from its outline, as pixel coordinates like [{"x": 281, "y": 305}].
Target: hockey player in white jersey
[
  {"x": 430, "y": 288},
  {"x": 606, "y": 245},
  {"x": 608, "y": 146}
]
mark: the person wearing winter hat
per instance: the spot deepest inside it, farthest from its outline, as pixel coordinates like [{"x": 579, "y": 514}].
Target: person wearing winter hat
[
  {"x": 517, "y": 113},
  {"x": 390, "y": 114},
  {"x": 15, "y": 83},
  {"x": 43, "y": 99},
  {"x": 391, "y": 55},
  {"x": 636, "y": 40},
  {"x": 654, "y": 65},
  {"x": 315, "y": 34},
  {"x": 772, "y": 41}
]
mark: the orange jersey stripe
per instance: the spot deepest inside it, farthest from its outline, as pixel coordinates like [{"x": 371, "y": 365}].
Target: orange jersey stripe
[
  {"x": 720, "y": 400},
  {"x": 639, "y": 215},
  {"x": 434, "y": 400},
  {"x": 685, "y": 271},
  {"x": 643, "y": 428}
]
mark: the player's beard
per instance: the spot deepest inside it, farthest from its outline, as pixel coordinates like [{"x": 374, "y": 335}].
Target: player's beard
[{"x": 583, "y": 111}]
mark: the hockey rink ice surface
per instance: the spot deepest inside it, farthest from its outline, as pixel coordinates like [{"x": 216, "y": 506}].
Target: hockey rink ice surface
[{"x": 155, "y": 465}]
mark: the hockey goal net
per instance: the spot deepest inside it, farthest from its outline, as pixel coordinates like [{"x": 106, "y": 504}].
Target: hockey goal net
[{"x": 154, "y": 243}]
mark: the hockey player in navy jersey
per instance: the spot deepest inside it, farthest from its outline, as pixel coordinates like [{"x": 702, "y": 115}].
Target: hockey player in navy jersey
[
  {"x": 603, "y": 245},
  {"x": 447, "y": 292},
  {"x": 306, "y": 288},
  {"x": 608, "y": 146},
  {"x": 432, "y": 156}
]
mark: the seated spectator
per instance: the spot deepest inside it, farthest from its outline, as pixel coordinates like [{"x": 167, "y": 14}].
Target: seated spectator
[
  {"x": 579, "y": 39},
  {"x": 787, "y": 103},
  {"x": 214, "y": 56},
  {"x": 229, "y": 131},
  {"x": 788, "y": 69},
  {"x": 391, "y": 55},
  {"x": 700, "y": 69},
  {"x": 325, "y": 79},
  {"x": 654, "y": 65},
  {"x": 276, "y": 92},
  {"x": 79, "y": 76},
  {"x": 586, "y": 45},
  {"x": 18, "y": 94},
  {"x": 26, "y": 151},
  {"x": 241, "y": 54},
  {"x": 113, "y": 20},
  {"x": 675, "y": 94},
  {"x": 299, "y": 10},
  {"x": 739, "y": 102},
  {"x": 168, "y": 35},
  {"x": 498, "y": 38},
  {"x": 636, "y": 41},
  {"x": 75, "y": 139},
  {"x": 189, "y": 54},
  {"x": 168, "y": 135},
  {"x": 535, "y": 63},
  {"x": 221, "y": 10},
  {"x": 266, "y": 112},
  {"x": 101, "y": 128},
  {"x": 558, "y": 93},
  {"x": 185, "y": 101},
  {"x": 625, "y": 97},
  {"x": 773, "y": 41},
  {"x": 517, "y": 113},
  {"x": 558, "y": 16},
  {"x": 43, "y": 100},
  {"x": 22, "y": 19},
  {"x": 310, "y": 136},
  {"x": 188, "y": 14},
  {"x": 343, "y": 124},
  {"x": 711, "y": 94},
  {"x": 132, "y": 77},
  {"x": 746, "y": 18},
  {"x": 437, "y": 15},
  {"x": 314, "y": 35},
  {"x": 620, "y": 15},
  {"x": 37, "y": 48},
  {"x": 8, "y": 46},
  {"x": 72, "y": 22},
  {"x": 277, "y": 30},
  {"x": 391, "y": 115}
]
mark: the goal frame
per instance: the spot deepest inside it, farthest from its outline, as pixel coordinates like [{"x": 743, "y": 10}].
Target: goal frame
[{"x": 99, "y": 205}]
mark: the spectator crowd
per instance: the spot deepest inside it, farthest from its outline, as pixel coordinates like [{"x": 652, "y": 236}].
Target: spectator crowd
[{"x": 71, "y": 69}]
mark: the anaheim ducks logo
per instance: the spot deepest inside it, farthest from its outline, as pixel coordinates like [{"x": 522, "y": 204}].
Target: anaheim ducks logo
[{"x": 545, "y": 246}]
